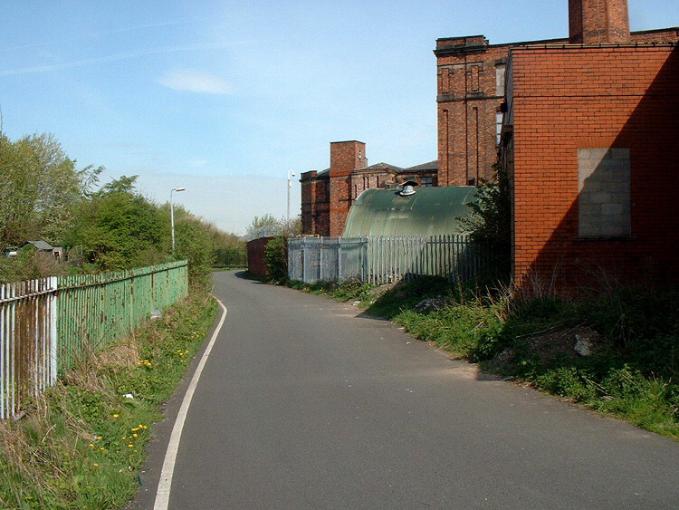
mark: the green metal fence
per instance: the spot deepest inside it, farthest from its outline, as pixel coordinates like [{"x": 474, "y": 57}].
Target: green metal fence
[
  {"x": 49, "y": 323},
  {"x": 94, "y": 310}
]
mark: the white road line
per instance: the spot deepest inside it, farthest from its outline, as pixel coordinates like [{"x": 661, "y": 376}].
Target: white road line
[{"x": 165, "y": 483}]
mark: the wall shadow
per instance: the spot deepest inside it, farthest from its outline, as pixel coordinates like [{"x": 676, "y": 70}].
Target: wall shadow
[
  {"x": 609, "y": 252},
  {"x": 245, "y": 275}
]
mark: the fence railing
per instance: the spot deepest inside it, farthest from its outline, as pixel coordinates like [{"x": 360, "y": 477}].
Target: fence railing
[
  {"x": 382, "y": 260},
  {"x": 312, "y": 259},
  {"x": 47, "y": 324},
  {"x": 28, "y": 347}
]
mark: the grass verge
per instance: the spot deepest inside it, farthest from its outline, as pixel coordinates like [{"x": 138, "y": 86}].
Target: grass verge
[
  {"x": 81, "y": 444},
  {"x": 631, "y": 370}
]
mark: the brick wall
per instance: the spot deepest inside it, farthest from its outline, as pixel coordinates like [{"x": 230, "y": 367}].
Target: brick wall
[
  {"x": 378, "y": 177},
  {"x": 315, "y": 203},
  {"x": 256, "y": 262},
  {"x": 566, "y": 100},
  {"x": 468, "y": 99}
]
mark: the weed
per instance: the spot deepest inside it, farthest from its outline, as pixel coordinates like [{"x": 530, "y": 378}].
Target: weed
[
  {"x": 633, "y": 371},
  {"x": 82, "y": 442}
]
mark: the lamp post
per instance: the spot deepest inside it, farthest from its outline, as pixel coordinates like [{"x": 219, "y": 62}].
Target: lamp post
[
  {"x": 291, "y": 174},
  {"x": 172, "y": 213}
]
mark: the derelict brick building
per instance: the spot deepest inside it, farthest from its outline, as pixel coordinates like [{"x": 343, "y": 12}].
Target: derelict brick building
[
  {"x": 588, "y": 142},
  {"x": 470, "y": 98},
  {"x": 471, "y": 85},
  {"x": 328, "y": 195}
]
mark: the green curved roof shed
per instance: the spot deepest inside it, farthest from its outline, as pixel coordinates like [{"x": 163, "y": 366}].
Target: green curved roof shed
[{"x": 429, "y": 212}]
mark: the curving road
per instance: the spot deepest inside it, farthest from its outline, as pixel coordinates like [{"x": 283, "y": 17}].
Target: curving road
[{"x": 305, "y": 404}]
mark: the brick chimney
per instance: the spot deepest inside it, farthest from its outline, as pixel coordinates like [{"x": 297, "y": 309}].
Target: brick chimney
[
  {"x": 598, "y": 21},
  {"x": 345, "y": 157}
]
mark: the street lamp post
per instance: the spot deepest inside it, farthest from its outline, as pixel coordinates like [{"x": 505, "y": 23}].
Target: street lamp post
[
  {"x": 172, "y": 213},
  {"x": 291, "y": 174}
]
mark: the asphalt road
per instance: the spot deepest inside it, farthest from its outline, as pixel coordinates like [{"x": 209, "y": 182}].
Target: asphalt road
[{"x": 305, "y": 404}]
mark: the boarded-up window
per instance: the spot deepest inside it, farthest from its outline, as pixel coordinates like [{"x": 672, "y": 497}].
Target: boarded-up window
[
  {"x": 475, "y": 79},
  {"x": 445, "y": 82},
  {"x": 604, "y": 200},
  {"x": 500, "y": 80}
]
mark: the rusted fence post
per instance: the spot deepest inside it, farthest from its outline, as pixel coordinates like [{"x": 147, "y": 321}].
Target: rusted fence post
[{"x": 46, "y": 324}]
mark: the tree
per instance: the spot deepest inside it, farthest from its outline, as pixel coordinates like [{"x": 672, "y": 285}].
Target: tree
[
  {"x": 264, "y": 226},
  {"x": 119, "y": 229},
  {"x": 195, "y": 245},
  {"x": 43, "y": 195},
  {"x": 40, "y": 188},
  {"x": 491, "y": 221},
  {"x": 268, "y": 226}
]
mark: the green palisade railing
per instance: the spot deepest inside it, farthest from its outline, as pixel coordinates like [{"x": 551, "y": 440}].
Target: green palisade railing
[{"x": 94, "y": 310}]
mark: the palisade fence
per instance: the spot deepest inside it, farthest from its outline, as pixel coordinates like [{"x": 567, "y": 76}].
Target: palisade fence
[
  {"x": 49, "y": 323},
  {"x": 379, "y": 260}
]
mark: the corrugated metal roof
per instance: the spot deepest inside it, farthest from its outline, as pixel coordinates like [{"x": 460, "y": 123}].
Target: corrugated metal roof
[
  {"x": 41, "y": 245},
  {"x": 429, "y": 212}
]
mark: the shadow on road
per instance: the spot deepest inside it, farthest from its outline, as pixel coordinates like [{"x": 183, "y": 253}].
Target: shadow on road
[{"x": 245, "y": 275}]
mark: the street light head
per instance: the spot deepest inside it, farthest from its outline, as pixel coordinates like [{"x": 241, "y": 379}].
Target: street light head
[{"x": 178, "y": 189}]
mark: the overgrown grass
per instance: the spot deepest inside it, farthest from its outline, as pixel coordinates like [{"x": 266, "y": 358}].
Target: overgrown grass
[
  {"x": 81, "y": 444},
  {"x": 633, "y": 369}
]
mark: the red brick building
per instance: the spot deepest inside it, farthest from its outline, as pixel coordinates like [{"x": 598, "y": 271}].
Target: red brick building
[
  {"x": 471, "y": 85},
  {"x": 470, "y": 97},
  {"x": 589, "y": 141},
  {"x": 327, "y": 195}
]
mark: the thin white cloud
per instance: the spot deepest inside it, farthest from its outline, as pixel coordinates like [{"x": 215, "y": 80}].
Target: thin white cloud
[
  {"x": 118, "y": 57},
  {"x": 100, "y": 34},
  {"x": 195, "y": 81},
  {"x": 197, "y": 163}
]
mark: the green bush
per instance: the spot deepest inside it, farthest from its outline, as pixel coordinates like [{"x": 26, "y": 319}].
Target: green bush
[
  {"x": 194, "y": 244},
  {"x": 276, "y": 259}
]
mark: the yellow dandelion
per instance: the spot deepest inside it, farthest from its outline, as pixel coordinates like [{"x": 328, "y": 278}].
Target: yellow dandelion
[
  {"x": 130, "y": 445},
  {"x": 115, "y": 416},
  {"x": 134, "y": 435}
]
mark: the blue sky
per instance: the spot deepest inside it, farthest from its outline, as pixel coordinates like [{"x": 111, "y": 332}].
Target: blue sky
[{"x": 224, "y": 97}]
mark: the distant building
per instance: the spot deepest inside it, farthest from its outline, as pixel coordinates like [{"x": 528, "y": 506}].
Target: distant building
[
  {"x": 327, "y": 195},
  {"x": 42, "y": 246}
]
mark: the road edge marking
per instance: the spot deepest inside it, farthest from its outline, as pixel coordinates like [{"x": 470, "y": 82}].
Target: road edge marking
[{"x": 165, "y": 482}]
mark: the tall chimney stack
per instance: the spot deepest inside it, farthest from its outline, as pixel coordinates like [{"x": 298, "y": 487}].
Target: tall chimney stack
[{"x": 598, "y": 21}]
